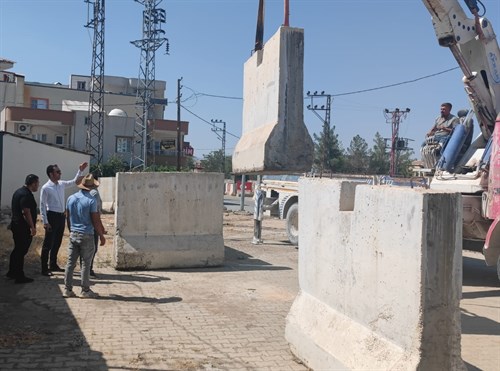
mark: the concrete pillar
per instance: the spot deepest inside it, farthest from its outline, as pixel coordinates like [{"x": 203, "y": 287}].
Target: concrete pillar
[
  {"x": 380, "y": 273},
  {"x": 274, "y": 137}
]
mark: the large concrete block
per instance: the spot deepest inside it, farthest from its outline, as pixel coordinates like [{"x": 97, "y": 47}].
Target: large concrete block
[
  {"x": 107, "y": 187},
  {"x": 168, "y": 220},
  {"x": 274, "y": 137},
  {"x": 380, "y": 274}
]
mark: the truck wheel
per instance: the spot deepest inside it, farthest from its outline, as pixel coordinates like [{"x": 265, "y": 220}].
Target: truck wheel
[{"x": 292, "y": 224}]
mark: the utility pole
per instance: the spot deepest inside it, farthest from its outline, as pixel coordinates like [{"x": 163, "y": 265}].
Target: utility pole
[
  {"x": 222, "y": 137},
  {"x": 397, "y": 144},
  {"x": 179, "y": 95},
  {"x": 95, "y": 120},
  {"x": 152, "y": 38},
  {"x": 326, "y": 119}
]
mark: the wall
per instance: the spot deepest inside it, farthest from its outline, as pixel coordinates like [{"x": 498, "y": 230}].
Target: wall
[
  {"x": 168, "y": 220},
  {"x": 20, "y": 157},
  {"x": 107, "y": 187},
  {"x": 380, "y": 278}
]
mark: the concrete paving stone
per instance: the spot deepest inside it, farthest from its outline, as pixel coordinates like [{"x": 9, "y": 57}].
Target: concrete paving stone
[{"x": 227, "y": 318}]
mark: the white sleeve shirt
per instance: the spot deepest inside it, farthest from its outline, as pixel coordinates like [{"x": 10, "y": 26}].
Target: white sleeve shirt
[{"x": 52, "y": 196}]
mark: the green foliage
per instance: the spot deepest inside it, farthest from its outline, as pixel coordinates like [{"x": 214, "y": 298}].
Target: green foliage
[
  {"x": 212, "y": 163},
  {"x": 358, "y": 157},
  {"x": 379, "y": 158},
  {"x": 160, "y": 168},
  {"x": 328, "y": 151},
  {"x": 115, "y": 164},
  {"x": 404, "y": 163}
]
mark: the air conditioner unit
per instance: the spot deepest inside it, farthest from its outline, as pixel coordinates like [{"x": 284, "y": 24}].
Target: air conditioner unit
[{"x": 22, "y": 128}]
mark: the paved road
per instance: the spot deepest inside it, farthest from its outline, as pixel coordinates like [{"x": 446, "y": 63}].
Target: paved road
[
  {"x": 229, "y": 318},
  {"x": 233, "y": 203}
]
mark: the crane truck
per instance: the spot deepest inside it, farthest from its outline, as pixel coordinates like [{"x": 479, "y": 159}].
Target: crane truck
[
  {"x": 475, "y": 173},
  {"x": 468, "y": 165}
]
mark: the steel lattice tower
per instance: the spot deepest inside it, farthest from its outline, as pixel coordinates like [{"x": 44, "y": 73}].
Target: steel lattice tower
[
  {"x": 95, "y": 128},
  {"x": 152, "y": 39}
]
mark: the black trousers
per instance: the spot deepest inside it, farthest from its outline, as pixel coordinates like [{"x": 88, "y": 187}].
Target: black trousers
[
  {"x": 22, "y": 241},
  {"x": 53, "y": 239}
]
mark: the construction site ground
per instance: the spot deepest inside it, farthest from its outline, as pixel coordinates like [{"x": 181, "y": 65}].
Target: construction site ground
[{"x": 231, "y": 317}]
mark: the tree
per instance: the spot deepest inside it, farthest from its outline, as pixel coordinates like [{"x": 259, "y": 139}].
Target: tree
[
  {"x": 379, "y": 158},
  {"x": 405, "y": 159},
  {"x": 328, "y": 151},
  {"x": 213, "y": 163},
  {"x": 358, "y": 156},
  {"x": 115, "y": 164}
]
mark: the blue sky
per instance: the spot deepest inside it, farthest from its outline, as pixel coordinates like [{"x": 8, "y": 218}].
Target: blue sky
[{"x": 349, "y": 46}]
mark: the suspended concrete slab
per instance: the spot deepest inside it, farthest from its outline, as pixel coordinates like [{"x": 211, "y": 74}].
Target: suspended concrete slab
[{"x": 274, "y": 137}]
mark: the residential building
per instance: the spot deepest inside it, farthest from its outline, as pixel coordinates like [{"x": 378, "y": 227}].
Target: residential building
[{"x": 58, "y": 114}]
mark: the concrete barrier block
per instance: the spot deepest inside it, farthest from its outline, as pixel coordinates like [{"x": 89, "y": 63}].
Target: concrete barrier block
[
  {"x": 380, "y": 283},
  {"x": 274, "y": 137},
  {"x": 168, "y": 220}
]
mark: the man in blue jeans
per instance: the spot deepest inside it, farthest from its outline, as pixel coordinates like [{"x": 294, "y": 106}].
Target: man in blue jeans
[{"x": 83, "y": 218}]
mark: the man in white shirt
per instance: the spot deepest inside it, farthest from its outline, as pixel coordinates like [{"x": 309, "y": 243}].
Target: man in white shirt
[{"x": 52, "y": 208}]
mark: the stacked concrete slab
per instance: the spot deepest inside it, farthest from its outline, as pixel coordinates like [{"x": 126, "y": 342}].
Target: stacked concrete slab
[
  {"x": 274, "y": 137},
  {"x": 107, "y": 187},
  {"x": 380, "y": 278},
  {"x": 168, "y": 220}
]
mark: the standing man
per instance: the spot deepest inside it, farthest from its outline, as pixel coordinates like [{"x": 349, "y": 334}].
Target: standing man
[
  {"x": 52, "y": 210},
  {"x": 95, "y": 193},
  {"x": 443, "y": 125},
  {"x": 23, "y": 226},
  {"x": 83, "y": 220}
]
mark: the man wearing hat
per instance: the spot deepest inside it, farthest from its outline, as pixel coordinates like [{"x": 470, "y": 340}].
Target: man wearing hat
[{"x": 83, "y": 218}]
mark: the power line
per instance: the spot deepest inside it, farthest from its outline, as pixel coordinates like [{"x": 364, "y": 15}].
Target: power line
[
  {"x": 198, "y": 94},
  {"x": 396, "y": 84},
  {"x": 209, "y": 123}
]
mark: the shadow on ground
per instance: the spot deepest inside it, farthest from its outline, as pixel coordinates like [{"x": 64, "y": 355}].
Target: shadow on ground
[
  {"x": 235, "y": 260},
  {"x": 38, "y": 329},
  {"x": 476, "y": 273}
]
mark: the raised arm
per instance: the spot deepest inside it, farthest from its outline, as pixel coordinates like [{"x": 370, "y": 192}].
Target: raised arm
[{"x": 78, "y": 176}]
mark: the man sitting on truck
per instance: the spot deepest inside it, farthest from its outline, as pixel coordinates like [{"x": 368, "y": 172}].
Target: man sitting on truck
[
  {"x": 443, "y": 125},
  {"x": 436, "y": 137}
]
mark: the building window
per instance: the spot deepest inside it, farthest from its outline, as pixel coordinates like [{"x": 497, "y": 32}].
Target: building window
[
  {"x": 39, "y": 103},
  {"x": 40, "y": 137},
  {"x": 59, "y": 139},
  {"x": 81, "y": 85},
  {"x": 123, "y": 144}
]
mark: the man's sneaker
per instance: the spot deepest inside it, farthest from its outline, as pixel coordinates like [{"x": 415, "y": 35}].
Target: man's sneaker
[
  {"x": 56, "y": 268},
  {"x": 89, "y": 294},
  {"x": 69, "y": 294},
  {"x": 92, "y": 274}
]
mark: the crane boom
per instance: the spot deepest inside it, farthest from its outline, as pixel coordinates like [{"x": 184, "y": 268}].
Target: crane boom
[{"x": 473, "y": 43}]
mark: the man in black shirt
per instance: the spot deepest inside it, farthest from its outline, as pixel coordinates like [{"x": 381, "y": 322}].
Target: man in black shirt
[{"x": 23, "y": 227}]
